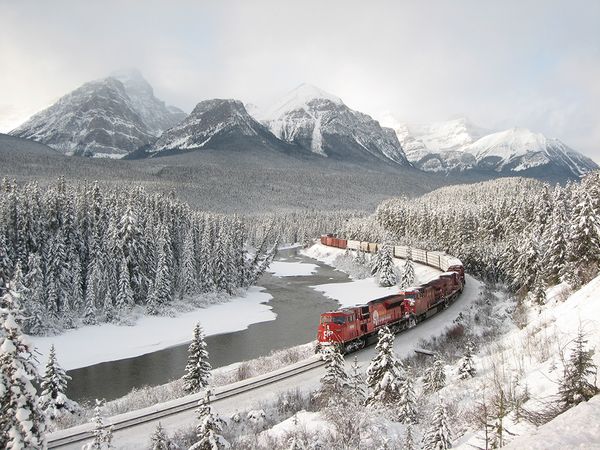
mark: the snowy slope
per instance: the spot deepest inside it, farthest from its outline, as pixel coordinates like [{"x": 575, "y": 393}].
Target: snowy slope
[
  {"x": 322, "y": 123},
  {"x": 157, "y": 116},
  {"x": 459, "y": 145},
  {"x": 532, "y": 355}
]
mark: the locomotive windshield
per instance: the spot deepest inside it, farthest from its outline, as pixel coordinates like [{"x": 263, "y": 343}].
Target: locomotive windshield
[{"x": 333, "y": 319}]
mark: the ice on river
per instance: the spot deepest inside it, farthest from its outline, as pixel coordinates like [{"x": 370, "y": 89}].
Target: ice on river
[{"x": 292, "y": 269}]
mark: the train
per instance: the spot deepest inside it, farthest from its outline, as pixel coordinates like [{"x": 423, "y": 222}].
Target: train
[{"x": 352, "y": 328}]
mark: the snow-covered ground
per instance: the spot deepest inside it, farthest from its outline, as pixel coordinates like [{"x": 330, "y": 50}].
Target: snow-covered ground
[
  {"x": 291, "y": 269},
  {"x": 358, "y": 292},
  {"x": 108, "y": 342},
  {"x": 532, "y": 356}
]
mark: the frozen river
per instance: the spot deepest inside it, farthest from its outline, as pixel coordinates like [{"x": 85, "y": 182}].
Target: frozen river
[{"x": 296, "y": 305}]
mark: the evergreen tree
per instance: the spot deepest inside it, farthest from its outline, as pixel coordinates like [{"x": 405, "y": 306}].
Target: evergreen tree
[
  {"x": 124, "y": 299},
  {"x": 408, "y": 272},
  {"x": 187, "y": 274},
  {"x": 438, "y": 436},
  {"x": 208, "y": 429},
  {"x": 357, "y": 382},
  {"x": 197, "y": 370},
  {"x": 22, "y": 423},
  {"x": 407, "y": 400},
  {"x": 159, "y": 439},
  {"x": 467, "y": 365},
  {"x": 335, "y": 382},
  {"x": 384, "y": 375},
  {"x": 53, "y": 400},
  {"x": 102, "y": 434},
  {"x": 376, "y": 262},
  {"x": 578, "y": 383},
  {"x": 409, "y": 443},
  {"x": 387, "y": 268},
  {"x": 584, "y": 240},
  {"x": 33, "y": 305},
  {"x": 435, "y": 376},
  {"x": 161, "y": 290}
]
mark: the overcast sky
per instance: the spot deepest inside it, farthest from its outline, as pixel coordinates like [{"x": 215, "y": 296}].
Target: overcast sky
[{"x": 534, "y": 64}]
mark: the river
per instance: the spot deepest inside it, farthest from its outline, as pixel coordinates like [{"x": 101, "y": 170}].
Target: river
[{"x": 297, "y": 307}]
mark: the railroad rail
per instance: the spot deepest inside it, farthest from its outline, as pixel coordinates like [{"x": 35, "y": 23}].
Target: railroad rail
[{"x": 83, "y": 433}]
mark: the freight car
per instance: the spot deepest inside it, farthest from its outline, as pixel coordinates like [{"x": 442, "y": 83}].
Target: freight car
[{"x": 355, "y": 327}]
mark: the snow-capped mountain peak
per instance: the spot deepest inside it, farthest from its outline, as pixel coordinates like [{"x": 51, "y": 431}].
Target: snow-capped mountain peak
[
  {"x": 157, "y": 116},
  {"x": 112, "y": 116},
  {"x": 214, "y": 123},
  {"x": 459, "y": 145},
  {"x": 322, "y": 124},
  {"x": 302, "y": 97}
]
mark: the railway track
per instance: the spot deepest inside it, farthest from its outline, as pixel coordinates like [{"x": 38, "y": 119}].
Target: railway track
[{"x": 83, "y": 433}]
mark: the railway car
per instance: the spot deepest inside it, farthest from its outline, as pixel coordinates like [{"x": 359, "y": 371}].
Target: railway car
[{"x": 353, "y": 328}]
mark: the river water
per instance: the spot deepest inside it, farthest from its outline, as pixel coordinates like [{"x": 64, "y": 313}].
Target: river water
[{"x": 297, "y": 307}]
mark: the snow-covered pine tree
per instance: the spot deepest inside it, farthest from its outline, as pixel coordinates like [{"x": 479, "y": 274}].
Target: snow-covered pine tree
[
  {"x": 409, "y": 442},
  {"x": 53, "y": 400},
  {"x": 159, "y": 439},
  {"x": 197, "y": 370},
  {"x": 435, "y": 376},
  {"x": 407, "y": 400},
  {"x": 578, "y": 383},
  {"x": 187, "y": 274},
  {"x": 357, "y": 382},
  {"x": 556, "y": 240},
  {"x": 583, "y": 251},
  {"x": 360, "y": 258},
  {"x": 102, "y": 434},
  {"x": 408, "y": 271},
  {"x": 385, "y": 373},
  {"x": 376, "y": 263},
  {"x": 335, "y": 382},
  {"x": 205, "y": 261},
  {"x": 438, "y": 436},
  {"x": 208, "y": 429},
  {"x": 467, "y": 368},
  {"x": 124, "y": 300},
  {"x": 387, "y": 269},
  {"x": 161, "y": 293},
  {"x": 22, "y": 423},
  {"x": 33, "y": 306}
]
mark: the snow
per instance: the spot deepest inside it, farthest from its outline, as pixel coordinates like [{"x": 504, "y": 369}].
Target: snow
[
  {"x": 291, "y": 269},
  {"x": 312, "y": 423},
  {"x": 533, "y": 355},
  {"x": 358, "y": 292},
  {"x": 577, "y": 428},
  {"x": 108, "y": 342}
]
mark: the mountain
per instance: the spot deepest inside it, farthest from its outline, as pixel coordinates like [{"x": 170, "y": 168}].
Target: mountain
[
  {"x": 214, "y": 124},
  {"x": 460, "y": 146},
  {"x": 521, "y": 150},
  {"x": 157, "y": 116},
  {"x": 102, "y": 118},
  {"x": 322, "y": 124}
]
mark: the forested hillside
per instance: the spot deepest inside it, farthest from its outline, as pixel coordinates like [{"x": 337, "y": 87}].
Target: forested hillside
[
  {"x": 518, "y": 231},
  {"x": 85, "y": 253}
]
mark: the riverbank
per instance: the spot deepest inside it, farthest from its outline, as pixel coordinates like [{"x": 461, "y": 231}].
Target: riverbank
[{"x": 93, "y": 344}]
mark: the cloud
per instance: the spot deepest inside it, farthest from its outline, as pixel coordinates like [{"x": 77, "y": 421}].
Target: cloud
[{"x": 535, "y": 62}]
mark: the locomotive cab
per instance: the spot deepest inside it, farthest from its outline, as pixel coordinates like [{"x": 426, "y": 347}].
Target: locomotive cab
[
  {"x": 460, "y": 270},
  {"x": 337, "y": 326}
]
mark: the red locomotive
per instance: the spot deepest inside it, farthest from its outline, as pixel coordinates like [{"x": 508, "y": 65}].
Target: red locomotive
[{"x": 354, "y": 327}]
